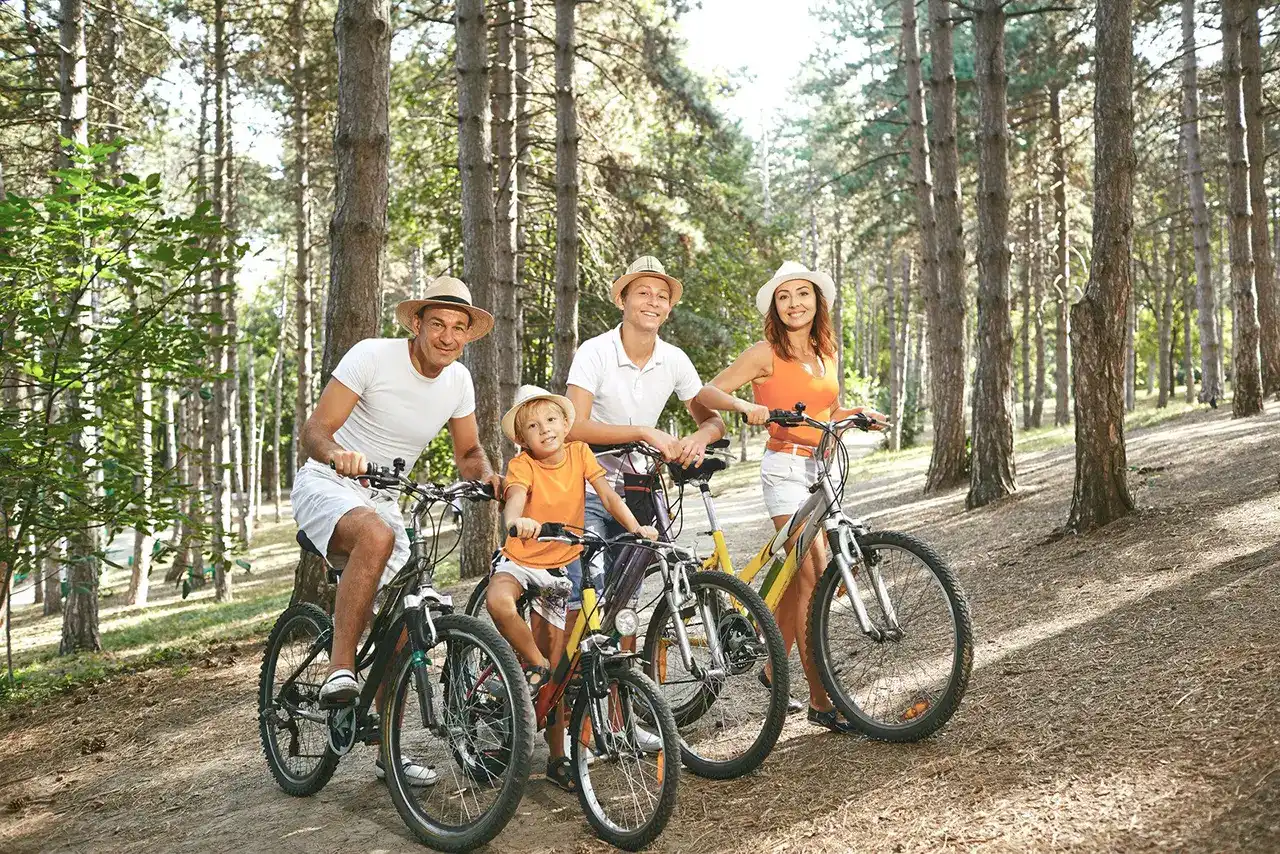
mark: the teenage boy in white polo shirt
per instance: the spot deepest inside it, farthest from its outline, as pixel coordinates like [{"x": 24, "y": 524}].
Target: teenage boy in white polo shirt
[{"x": 620, "y": 381}]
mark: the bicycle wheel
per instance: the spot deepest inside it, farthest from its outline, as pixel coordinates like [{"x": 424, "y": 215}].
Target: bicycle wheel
[
  {"x": 480, "y": 746},
  {"x": 628, "y": 795},
  {"x": 728, "y": 719},
  {"x": 906, "y": 684},
  {"x": 294, "y": 666}
]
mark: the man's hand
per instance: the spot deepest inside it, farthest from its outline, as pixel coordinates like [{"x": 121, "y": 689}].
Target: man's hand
[
  {"x": 526, "y": 528},
  {"x": 495, "y": 482},
  {"x": 349, "y": 463},
  {"x": 666, "y": 443},
  {"x": 753, "y": 412},
  {"x": 692, "y": 449},
  {"x": 648, "y": 532}
]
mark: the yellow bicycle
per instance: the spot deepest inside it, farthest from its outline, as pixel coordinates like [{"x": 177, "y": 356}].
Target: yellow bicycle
[{"x": 889, "y": 624}]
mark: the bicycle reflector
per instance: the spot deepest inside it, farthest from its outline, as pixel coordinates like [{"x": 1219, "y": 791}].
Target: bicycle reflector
[{"x": 626, "y": 621}]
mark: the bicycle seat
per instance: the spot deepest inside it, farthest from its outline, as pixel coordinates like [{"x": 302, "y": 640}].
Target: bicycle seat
[{"x": 308, "y": 546}]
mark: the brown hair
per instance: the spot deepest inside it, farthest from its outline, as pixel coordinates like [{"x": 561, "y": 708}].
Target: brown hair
[{"x": 821, "y": 335}]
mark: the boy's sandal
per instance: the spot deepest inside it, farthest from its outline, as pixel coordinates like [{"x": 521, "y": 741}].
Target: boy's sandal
[
  {"x": 537, "y": 675},
  {"x": 558, "y": 774}
]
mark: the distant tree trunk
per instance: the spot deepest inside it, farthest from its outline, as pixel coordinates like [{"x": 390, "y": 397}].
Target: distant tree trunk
[
  {"x": 506, "y": 327},
  {"x": 51, "y": 570},
  {"x": 142, "y": 483},
  {"x": 221, "y": 448},
  {"x": 1206, "y": 300},
  {"x": 475, "y": 165},
  {"x": 1255, "y": 141},
  {"x": 80, "y": 616},
  {"x": 1062, "y": 268},
  {"x": 254, "y": 486},
  {"x": 566, "y": 303},
  {"x": 1246, "y": 387},
  {"x": 303, "y": 402},
  {"x": 1037, "y": 298},
  {"x": 1188, "y": 300},
  {"x": 277, "y": 403},
  {"x": 1164, "y": 329},
  {"x": 903, "y": 335},
  {"x": 992, "y": 471},
  {"x": 524, "y": 187},
  {"x": 358, "y": 229},
  {"x": 837, "y": 305},
  {"x": 1101, "y": 492},
  {"x": 1131, "y": 358},
  {"x": 949, "y": 460},
  {"x": 859, "y": 325},
  {"x": 895, "y": 353},
  {"x": 1026, "y": 315},
  {"x": 235, "y": 432}
]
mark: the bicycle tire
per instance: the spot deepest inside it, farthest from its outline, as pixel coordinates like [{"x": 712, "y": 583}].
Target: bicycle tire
[
  {"x": 484, "y": 828},
  {"x": 299, "y": 785},
  {"x": 938, "y": 712},
  {"x": 624, "y": 675},
  {"x": 761, "y": 620}
]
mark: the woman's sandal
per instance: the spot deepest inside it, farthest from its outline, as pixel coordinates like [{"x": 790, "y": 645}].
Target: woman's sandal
[
  {"x": 830, "y": 719},
  {"x": 537, "y": 675},
  {"x": 558, "y": 774}
]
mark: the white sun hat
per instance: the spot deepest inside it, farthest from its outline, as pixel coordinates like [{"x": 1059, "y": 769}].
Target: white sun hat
[
  {"x": 446, "y": 292},
  {"x": 647, "y": 265},
  {"x": 527, "y": 393},
  {"x": 789, "y": 272}
]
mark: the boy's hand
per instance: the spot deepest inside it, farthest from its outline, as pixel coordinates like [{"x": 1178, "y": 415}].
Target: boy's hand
[
  {"x": 648, "y": 532},
  {"x": 526, "y": 528}
]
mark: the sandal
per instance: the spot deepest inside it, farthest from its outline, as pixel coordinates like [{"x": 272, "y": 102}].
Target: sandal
[
  {"x": 558, "y": 774},
  {"x": 830, "y": 719},
  {"x": 537, "y": 675}
]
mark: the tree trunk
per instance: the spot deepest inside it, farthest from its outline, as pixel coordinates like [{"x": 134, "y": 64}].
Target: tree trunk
[
  {"x": 949, "y": 461},
  {"x": 1026, "y": 316},
  {"x": 1188, "y": 299},
  {"x": 903, "y": 334},
  {"x": 895, "y": 354},
  {"x": 277, "y": 402},
  {"x": 524, "y": 187},
  {"x": 1101, "y": 492},
  {"x": 1164, "y": 328},
  {"x": 221, "y": 448},
  {"x": 139, "y": 582},
  {"x": 80, "y": 616},
  {"x": 506, "y": 328},
  {"x": 51, "y": 571},
  {"x": 1246, "y": 387},
  {"x": 1037, "y": 297},
  {"x": 1062, "y": 270},
  {"x": 858, "y": 325},
  {"x": 992, "y": 471},
  {"x": 1206, "y": 300},
  {"x": 254, "y": 485},
  {"x": 1131, "y": 358},
  {"x": 1255, "y": 141},
  {"x": 235, "y": 433},
  {"x": 301, "y": 221},
  {"x": 837, "y": 305},
  {"x": 566, "y": 310}
]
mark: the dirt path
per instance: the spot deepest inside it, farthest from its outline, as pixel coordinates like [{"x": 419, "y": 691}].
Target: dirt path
[{"x": 1123, "y": 699}]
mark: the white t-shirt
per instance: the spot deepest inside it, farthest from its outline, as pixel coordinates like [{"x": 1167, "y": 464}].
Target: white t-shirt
[
  {"x": 399, "y": 411},
  {"x": 626, "y": 394}
]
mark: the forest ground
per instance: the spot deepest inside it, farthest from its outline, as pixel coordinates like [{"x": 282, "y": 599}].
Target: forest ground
[{"x": 1123, "y": 695}]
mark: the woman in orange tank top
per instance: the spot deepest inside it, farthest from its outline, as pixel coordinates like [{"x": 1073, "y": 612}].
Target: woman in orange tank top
[{"x": 795, "y": 363}]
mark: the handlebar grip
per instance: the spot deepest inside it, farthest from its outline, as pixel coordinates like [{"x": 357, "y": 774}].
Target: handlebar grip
[
  {"x": 511, "y": 530},
  {"x": 486, "y": 490},
  {"x": 551, "y": 529},
  {"x": 369, "y": 469}
]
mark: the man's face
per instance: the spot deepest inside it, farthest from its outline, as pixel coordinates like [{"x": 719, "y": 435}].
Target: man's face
[
  {"x": 441, "y": 334},
  {"x": 646, "y": 303}
]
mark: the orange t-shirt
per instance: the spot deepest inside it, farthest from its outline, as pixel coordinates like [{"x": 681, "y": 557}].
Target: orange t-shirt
[{"x": 556, "y": 494}]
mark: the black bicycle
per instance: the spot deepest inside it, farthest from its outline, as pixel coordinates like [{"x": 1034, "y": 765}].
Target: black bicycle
[{"x": 448, "y": 691}]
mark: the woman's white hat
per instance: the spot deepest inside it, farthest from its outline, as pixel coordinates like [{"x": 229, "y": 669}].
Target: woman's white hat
[
  {"x": 446, "y": 292},
  {"x": 789, "y": 272},
  {"x": 647, "y": 265},
  {"x": 527, "y": 393}
]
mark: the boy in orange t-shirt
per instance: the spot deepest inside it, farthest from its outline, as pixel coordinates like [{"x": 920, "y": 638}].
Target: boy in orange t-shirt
[{"x": 545, "y": 482}]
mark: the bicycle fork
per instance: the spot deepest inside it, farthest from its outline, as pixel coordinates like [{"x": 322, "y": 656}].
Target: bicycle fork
[
  {"x": 678, "y": 590},
  {"x": 422, "y": 638},
  {"x": 847, "y": 554}
]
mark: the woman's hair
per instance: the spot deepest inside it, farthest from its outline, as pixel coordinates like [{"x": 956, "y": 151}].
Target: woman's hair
[{"x": 821, "y": 335}]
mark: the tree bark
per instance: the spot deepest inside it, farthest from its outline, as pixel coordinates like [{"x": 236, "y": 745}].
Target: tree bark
[
  {"x": 51, "y": 571},
  {"x": 524, "y": 188},
  {"x": 566, "y": 310},
  {"x": 139, "y": 582},
  {"x": 1101, "y": 491},
  {"x": 837, "y": 305},
  {"x": 221, "y": 451},
  {"x": 992, "y": 472},
  {"x": 895, "y": 352},
  {"x": 254, "y": 486},
  {"x": 1256, "y": 144},
  {"x": 1188, "y": 300},
  {"x": 858, "y": 325},
  {"x": 1206, "y": 300},
  {"x": 1026, "y": 316},
  {"x": 277, "y": 403},
  {"x": 1246, "y": 387},
  {"x": 80, "y": 616},
  {"x": 475, "y": 165},
  {"x": 1164, "y": 328},
  {"x": 235, "y": 433},
  {"x": 1062, "y": 269},
  {"x": 949, "y": 461},
  {"x": 1131, "y": 358},
  {"x": 506, "y": 328},
  {"x": 1037, "y": 297},
  {"x": 303, "y": 402}
]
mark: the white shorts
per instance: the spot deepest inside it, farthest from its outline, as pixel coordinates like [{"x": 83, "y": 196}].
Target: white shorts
[
  {"x": 785, "y": 480},
  {"x": 321, "y": 498},
  {"x": 553, "y": 586}
]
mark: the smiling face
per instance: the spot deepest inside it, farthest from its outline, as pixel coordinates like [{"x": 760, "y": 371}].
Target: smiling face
[
  {"x": 440, "y": 335},
  {"x": 796, "y": 302},
  {"x": 646, "y": 303},
  {"x": 541, "y": 427}
]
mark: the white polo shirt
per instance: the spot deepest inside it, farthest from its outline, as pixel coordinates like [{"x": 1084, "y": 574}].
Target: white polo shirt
[{"x": 626, "y": 394}]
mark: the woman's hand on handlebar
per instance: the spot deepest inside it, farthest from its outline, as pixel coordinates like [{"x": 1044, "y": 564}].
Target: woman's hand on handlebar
[
  {"x": 349, "y": 463},
  {"x": 879, "y": 421},
  {"x": 753, "y": 413}
]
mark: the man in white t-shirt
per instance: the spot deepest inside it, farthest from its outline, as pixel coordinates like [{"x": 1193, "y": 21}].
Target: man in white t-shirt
[
  {"x": 388, "y": 398},
  {"x": 620, "y": 382}
]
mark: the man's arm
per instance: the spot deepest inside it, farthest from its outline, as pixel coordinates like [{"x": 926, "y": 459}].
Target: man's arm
[
  {"x": 473, "y": 463},
  {"x": 595, "y": 433},
  {"x": 331, "y": 412}
]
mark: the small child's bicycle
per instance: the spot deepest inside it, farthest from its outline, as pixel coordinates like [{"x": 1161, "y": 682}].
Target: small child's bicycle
[{"x": 453, "y": 696}]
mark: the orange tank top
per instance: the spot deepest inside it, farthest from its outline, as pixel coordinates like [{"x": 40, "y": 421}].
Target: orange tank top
[{"x": 792, "y": 382}]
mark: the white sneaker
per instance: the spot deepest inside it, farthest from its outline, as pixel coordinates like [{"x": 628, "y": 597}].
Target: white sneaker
[
  {"x": 415, "y": 774},
  {"x": 646, "y": 741},
  {"x": 341, "y": 687}
]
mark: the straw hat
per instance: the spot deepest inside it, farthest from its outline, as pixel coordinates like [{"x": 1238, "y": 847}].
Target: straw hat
[
  {"x": 527, "y": 393},
  {"x": 647, "y": 265},
  {"x": 789, "y": 272},
  {"x": 446, "y": 292}
]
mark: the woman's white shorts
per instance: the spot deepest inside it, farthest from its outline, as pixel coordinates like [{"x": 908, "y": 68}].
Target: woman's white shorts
[{"x": 785, "y": 480}]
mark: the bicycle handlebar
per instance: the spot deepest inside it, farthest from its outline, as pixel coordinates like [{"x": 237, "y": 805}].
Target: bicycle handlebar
[
  {"x": 389, "y": 477},
  {"x": 796, "y": 417}
]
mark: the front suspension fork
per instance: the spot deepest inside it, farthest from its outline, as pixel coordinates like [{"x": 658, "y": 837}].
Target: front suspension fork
[{"x": 847, "y": 554}]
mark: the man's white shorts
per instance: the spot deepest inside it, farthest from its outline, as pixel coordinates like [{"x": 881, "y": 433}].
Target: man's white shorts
[
  {"x": 553, "y": 586},
  {"x": 321, "y": 498}
]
